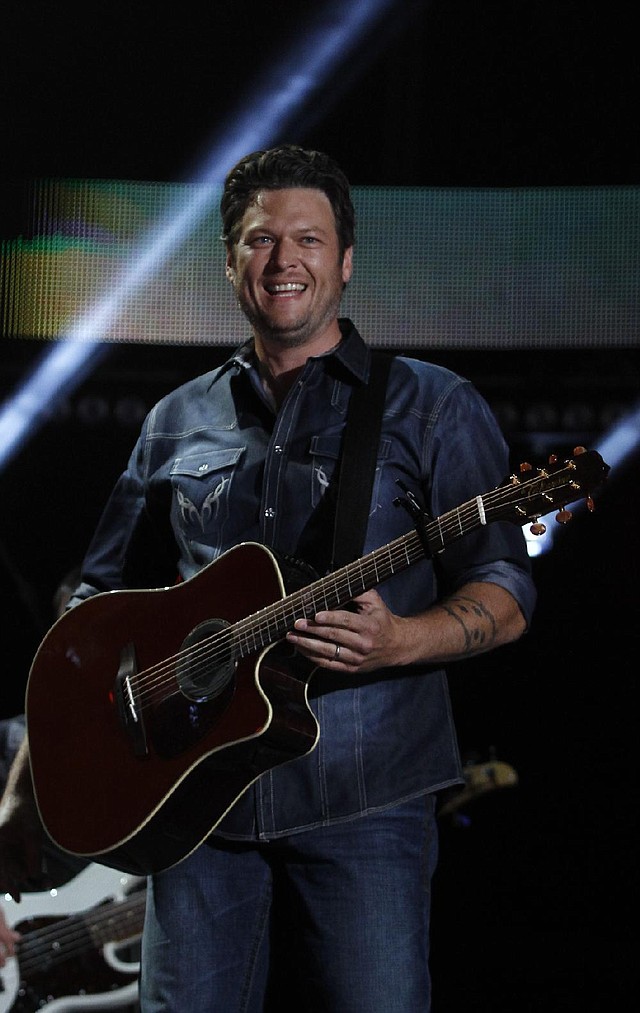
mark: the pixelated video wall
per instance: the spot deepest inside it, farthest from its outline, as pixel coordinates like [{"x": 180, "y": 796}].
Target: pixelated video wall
[{"x": 434, "y": 267}]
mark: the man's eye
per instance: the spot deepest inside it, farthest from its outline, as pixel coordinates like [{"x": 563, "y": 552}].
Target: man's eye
[{"x": 310, "y": 240}]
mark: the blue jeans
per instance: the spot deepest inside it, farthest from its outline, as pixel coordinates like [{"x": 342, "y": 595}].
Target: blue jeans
[{"x": 334, "y": 920}]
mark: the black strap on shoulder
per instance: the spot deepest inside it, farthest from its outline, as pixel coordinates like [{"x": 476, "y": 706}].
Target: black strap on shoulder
[{"x": 358, "y": 462}]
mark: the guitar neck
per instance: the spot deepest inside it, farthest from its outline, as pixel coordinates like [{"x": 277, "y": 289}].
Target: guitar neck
[
  {"x": 515, "y": 501},
  {"x": 343, "y": 585},
  {"x": 113, "y": 923},
  {"x": 333, "y": 591}
]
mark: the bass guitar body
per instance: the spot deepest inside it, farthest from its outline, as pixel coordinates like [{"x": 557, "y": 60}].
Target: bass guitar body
[{"x": 76, "y": 947}]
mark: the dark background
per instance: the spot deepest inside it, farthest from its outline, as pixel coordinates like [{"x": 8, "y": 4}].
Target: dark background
[{"x": 536, "y": 897}]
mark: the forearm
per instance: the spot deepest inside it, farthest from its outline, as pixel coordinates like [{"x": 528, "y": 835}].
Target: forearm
[
  {"x": 19, "y": 786},
  {"x": 477, "y": 618},
  {"x": 21, "y": 832}
]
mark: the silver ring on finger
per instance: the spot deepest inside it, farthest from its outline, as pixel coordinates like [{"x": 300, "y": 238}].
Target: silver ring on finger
[{"x": 336, "y": 656}]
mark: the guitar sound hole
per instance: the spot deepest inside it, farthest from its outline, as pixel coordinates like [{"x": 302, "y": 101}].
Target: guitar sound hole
[{"x": 206, "y": 664}]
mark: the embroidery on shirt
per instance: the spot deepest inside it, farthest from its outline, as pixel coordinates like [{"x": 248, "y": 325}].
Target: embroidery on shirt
[
  {"x": 321, "y": 476},
  {"x": 190, "y": 512}
]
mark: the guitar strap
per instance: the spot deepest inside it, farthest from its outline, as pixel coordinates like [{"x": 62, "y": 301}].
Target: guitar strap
[{"x": 358, "y": 462}]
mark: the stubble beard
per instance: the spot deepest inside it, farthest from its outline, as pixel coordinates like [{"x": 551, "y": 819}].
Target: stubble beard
[{"x": 297, "y": 332}]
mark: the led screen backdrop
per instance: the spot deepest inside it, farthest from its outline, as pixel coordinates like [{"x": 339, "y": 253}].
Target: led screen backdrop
[{"x": 448, "y": 268}]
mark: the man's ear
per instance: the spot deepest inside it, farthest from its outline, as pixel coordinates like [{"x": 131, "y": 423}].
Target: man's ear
[
  {"x": 229, "y": 268},
  {"x": 347, "y": 264}
]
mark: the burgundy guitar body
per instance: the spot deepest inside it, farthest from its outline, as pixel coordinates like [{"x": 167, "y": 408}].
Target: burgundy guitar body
[{"x": 140, "y": 794}]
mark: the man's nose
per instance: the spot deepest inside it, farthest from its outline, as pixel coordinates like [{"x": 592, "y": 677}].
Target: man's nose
[{"x": 284, "y": 253}]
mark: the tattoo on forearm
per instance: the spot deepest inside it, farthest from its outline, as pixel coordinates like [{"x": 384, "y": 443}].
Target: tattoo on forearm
[{"x": 477, "y": 622}]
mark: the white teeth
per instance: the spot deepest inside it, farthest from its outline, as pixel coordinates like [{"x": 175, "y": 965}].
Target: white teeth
[{"x": 291, "y": 286}]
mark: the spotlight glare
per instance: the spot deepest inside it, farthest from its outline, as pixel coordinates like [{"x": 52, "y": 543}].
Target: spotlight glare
[{"x": 267, "y": 111}]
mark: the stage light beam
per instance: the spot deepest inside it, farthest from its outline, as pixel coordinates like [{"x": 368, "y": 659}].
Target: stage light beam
[{"x": 269, "y": 109}]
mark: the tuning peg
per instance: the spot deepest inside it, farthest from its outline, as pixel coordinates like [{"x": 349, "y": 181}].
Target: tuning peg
[
  {"x": 525, "y": 466},
  {"x": 538, "y": 528},
  {"x": 553, "y": 458},
  {"x": 590, "y": 504},
  {"x": 579, "y": 450},
  {"x": 563, "y": 516}
]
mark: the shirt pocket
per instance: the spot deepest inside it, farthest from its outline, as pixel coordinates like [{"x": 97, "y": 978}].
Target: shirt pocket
[
  {"x": 201, "y": 484},
  {"x": 325, "y": 453}
]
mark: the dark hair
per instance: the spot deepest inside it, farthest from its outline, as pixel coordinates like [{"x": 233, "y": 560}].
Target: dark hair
[{"x": 286, "y": 166}]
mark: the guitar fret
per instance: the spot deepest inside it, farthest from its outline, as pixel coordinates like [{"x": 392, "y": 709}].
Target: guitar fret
[
  {"x": 460, "y": 524},
  {"x": 438, "y": 523},
  {"x": 365, "y": 575}
]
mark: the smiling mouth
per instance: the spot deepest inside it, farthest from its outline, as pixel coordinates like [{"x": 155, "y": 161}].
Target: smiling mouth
[{"x": 288, "y": 288}]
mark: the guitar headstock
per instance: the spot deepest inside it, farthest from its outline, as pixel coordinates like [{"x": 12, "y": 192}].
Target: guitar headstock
[{"x": 535, "y": 492}]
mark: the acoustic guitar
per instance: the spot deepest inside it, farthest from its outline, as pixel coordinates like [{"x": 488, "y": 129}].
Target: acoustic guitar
[{"x": 150, "y": 712}]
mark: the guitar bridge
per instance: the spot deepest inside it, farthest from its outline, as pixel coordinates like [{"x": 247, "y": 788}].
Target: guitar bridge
[{"x": 127, "y": 705}]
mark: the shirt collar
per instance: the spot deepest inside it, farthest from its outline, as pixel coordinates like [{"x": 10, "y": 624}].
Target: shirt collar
[{"x": 352, "y": 353}]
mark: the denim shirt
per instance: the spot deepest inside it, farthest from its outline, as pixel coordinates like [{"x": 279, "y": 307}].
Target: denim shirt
[{"x": 215, "y": 465}]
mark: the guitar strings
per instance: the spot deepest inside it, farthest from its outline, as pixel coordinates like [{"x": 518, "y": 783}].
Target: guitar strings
[
  {"x": 52, "y": 944},
  {"x": 449, "y": 524},
  {"x": 268, "y": 625},
  {"x": 265, "y": 627}
]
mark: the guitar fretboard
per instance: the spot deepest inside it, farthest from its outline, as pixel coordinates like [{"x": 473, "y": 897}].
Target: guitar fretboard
[{"x": 336, "y": 589}]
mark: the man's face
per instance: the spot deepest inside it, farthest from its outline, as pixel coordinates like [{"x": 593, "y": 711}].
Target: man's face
[{"x": 286, "y": 269}]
